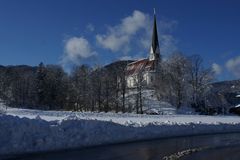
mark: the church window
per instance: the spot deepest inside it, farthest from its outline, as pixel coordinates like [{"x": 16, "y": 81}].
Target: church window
[{"x": 151, "y": 78}]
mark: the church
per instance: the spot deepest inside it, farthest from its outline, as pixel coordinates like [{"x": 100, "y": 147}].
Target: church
[{"x": 144, "y": 71}]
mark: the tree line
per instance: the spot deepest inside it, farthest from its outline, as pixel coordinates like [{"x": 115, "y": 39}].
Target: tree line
[{"x": 181, "y": 81}]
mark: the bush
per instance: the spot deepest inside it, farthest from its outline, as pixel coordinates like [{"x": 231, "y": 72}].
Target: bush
[{"x": 235, "y": 110}]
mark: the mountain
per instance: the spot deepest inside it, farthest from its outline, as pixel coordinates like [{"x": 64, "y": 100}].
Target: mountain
[
  {"x": 227, "y": 86},
  {"x": 223, "y": 96},
  {"x": 118, "y": 65}
]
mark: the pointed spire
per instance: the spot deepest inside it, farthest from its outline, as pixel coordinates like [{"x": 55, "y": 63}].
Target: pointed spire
[{"x": 154, "y": 52}]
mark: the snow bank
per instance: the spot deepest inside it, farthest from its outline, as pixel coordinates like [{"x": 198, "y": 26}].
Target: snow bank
[
  {"x": 3, "y": 108},
  {"x": 237, "y": 106},
  {"x": 22, "y": 135}
]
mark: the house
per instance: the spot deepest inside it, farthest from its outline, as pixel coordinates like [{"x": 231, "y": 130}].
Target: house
[{"x": 144, "y": 71}]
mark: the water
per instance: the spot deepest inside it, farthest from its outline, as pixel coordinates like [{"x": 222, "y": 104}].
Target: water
[{"x": 207, "y": 147}]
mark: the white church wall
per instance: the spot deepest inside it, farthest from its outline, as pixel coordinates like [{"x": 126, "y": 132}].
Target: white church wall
[
  {"x": 148, "y": 79},
  {"x": 131, "y": 81}
]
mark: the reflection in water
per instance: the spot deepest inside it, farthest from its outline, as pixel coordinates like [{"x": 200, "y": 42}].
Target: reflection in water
[
  {"x": 152, "y": 150},
  {"x": 218, "y": 153}
]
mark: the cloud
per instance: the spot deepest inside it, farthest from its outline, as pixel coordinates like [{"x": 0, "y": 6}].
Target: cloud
[
  {"x": 127, "y": 58},
  {"x": 118, "y": 37},
  {"x": 138, "y": 56},
  {"x": 167, "y": 26},
  {"x": 233, "y": 66},
  {"x": 112, "y": 42},
  {"x": 217, "y": 69},
  {"x": 168, "y": 44},
  {"x": 76, "y": 49},
  {"x": 134, "y": 32},
  {"x": 90, "y": 27},
  {"x": 131, "y": 38}
]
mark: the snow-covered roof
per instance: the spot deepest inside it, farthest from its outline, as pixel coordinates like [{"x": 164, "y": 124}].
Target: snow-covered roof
[
  {"x": 139, "y": 66},
  {"x": 237, "y": 106}
]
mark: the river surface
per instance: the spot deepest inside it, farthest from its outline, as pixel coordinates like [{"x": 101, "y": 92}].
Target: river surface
[{"x": 204, "y": 147}]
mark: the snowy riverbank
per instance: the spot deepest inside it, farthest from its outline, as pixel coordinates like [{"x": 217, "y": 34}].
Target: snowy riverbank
[{"x": 32, "y": 130}]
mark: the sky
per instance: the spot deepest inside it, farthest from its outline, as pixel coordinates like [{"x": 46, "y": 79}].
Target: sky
[{"x": 94, "y": 32}]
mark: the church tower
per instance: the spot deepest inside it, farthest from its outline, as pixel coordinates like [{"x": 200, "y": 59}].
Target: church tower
[
  {"x": 155, "y": 49},
  {"x": 147, "y": 69}
]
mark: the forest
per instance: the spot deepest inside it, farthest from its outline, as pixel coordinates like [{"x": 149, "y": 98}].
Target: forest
[{"x": 182, "y": 81}]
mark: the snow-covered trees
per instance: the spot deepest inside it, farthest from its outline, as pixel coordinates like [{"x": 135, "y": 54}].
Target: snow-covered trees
[
  {"x": 178, "y": 77},
  {"x": 139, "y": 81},
  {"x": 183, "y": 80},
  {"x": 40, "y": 84},
  {"x": 172, "y": 80},
  {"x": 200, "y": 79},
  {"x": 51, "y": 86},
  {"x": 42, "y": 87},
  {"x": 99, "y": 88},
  {"x": 80, "y": 79},
  {"x": 17, "y": 85}
]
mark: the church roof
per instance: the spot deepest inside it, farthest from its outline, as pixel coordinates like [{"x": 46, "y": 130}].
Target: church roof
[
  {"x": 140, "y": 66},
  {"x": 147, "y": 64}
]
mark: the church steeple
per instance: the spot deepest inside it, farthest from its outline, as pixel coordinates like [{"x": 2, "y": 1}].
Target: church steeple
[{"x": 155, "y": 50}]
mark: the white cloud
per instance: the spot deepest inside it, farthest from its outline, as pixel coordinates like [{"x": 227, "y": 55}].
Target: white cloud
[
  {"x": 135, "y": 57},
  {"x": 133, "y": 33},
  {"x": 130, "y": 25},
  {"x": 168, "y": 44},
  {"x": 217, "y": 69},
  {"x": 233, "y": 65},
  {"x": 90, "y": 27},
  {"x": 118, "y": 37},
  {"x": 167, "y": 25},
  {"x": 112, "y": 41},
  {"x": 167, "y": 41},
  {"x": 136, "y": 29},
  {"x": 127, "y": 58},
  {"x": 77, "y": 48}
]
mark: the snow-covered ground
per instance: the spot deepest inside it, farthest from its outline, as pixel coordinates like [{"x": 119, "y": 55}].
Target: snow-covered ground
[
  {"x": 151, "y": 104},
  {"x": 23, "y": 130},
  {"x": 238, "y": 96}
]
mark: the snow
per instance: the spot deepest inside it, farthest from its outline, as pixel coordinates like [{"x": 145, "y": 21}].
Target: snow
[
  {"x": 2, "y": 108},
  {"x": 237, "y": 106},
  {"x": 23, "y": 130},
  {"x": 238, "y": 96},
  {"x": 186, "y": 110},
  {"x": 151, "y": 104}
]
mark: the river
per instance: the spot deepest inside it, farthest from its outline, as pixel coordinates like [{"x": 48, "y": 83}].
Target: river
[{"x": 207, "y": 147}]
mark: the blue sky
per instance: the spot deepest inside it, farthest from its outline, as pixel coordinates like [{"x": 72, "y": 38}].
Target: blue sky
[{"x": 70, "y": 32}]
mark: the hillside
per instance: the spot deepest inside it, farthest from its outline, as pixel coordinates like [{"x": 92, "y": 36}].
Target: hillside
[{"x": 223, "y": 95}]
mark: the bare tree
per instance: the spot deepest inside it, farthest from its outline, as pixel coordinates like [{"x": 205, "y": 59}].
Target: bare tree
[
  {"x": 81, "y": 82},
  {"x": 162, "y": 83},
  {"x": 122, "y": 85},
  {"x": 139, "y": 82},
  {"x": 200, "y": 79},
  {"x": 177, "y": 77}
]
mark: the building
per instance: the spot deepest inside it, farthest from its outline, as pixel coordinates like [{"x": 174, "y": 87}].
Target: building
[{"x": 144, "y": 71}]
